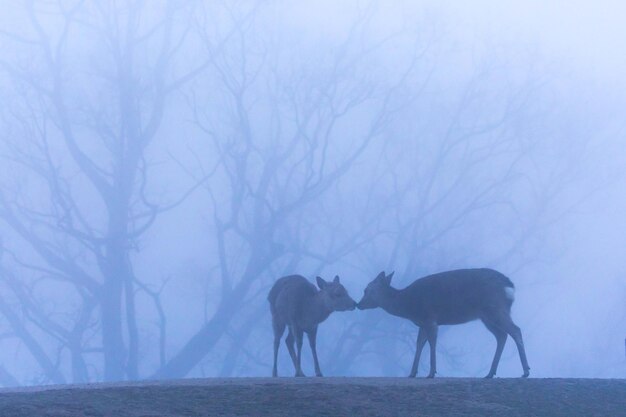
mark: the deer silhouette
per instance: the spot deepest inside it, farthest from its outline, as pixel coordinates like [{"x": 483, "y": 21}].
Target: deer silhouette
[
  {"x": 452, "y": 297},
  {"x": 297, "y": 304}
]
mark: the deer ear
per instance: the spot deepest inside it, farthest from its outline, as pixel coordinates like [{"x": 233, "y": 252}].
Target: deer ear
[
  {"x": 381, "y": 275},
  {"x": 388, "y": 278},
  {"x": 321, "y": 283},
  {"x": 336, "y": 280}
]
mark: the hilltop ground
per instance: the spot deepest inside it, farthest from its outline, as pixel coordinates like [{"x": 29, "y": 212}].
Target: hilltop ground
[{"x": 325, "y": 397}]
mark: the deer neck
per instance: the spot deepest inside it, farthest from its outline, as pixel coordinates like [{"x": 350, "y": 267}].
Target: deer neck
[
  {"x": 393, "y": 302},
  {"x": 316, "y": 309}
]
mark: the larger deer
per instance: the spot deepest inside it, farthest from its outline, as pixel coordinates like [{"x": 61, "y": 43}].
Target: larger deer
[
  {"x": 297, "y": 304},
  {"x": 452, "y": 297}
]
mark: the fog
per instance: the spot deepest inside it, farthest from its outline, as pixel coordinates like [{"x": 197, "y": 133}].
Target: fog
[{"x": 163, "y": 163}]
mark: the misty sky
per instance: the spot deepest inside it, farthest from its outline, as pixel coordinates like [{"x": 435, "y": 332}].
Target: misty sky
[
  {"x": 588, "y": 34},
  {"x": 484, "y": 134}
]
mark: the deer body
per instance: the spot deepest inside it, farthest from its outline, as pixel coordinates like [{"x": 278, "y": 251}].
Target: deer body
[
  {"x": 452, "y": 297},
  {"x": 297, "y": 304}
]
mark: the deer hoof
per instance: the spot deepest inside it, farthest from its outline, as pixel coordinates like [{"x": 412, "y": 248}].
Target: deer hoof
[
  {"x": 430, "y": 376},
  {"x": 319, "y": 375},
  {"x": 300, "y": 374},
  {"x": 489, "y": 376}
]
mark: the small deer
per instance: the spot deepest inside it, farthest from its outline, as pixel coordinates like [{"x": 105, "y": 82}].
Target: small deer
[
  {"x": 297, "y": 304},
  {"x": 452, "y": 297}
]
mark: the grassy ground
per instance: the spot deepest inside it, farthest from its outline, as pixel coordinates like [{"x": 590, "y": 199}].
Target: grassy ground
[{"x": 326, "y": 397}]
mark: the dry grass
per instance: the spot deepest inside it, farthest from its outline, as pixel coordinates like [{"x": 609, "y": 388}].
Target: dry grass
[{"x": 326, "y": 397}]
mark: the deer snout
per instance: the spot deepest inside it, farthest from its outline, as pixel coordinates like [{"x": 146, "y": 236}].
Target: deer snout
[
  {"x": 365, "y": 304},
  {"x": 349, "y": 305}
]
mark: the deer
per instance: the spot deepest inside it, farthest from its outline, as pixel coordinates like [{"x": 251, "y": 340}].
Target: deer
[
  {"x": 297, "y": 304},
  {"x": 446, "y": 298}
]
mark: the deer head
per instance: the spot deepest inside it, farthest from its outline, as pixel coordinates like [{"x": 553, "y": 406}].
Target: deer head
[
  {"x": 374, "y": 291},
  {"x": 334, "y": 295}
]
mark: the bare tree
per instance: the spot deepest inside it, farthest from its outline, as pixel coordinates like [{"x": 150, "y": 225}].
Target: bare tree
[
  {"x": 282, "y": 140},
  {"x": 93, "y": 83}
]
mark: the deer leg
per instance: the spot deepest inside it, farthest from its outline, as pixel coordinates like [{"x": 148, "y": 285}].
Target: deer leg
[
  {"x": 312, "y": 335},
  {"x": 299, "y": 337},
  {"x": 289, "y": 341},
  {"x": 500, "y": 336},
  {"x": 516, "y": 334},
  {"x": 431, "y": 334},
  {"x": 279, "y": 329},
  {"x": 421, "y": 341}
]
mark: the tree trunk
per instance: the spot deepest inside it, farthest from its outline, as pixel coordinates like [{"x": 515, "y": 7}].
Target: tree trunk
[
  {"x": 112, "y": 340},
  {"x": 209, "y": 335}
]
